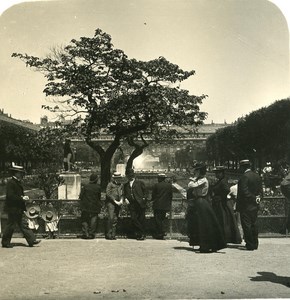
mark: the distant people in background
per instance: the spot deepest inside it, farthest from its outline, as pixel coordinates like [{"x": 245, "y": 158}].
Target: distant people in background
[
  {"x": 248, "y": 199},
  {"x": 162, "y": 200},
  {"x": 285, "y": 189},
  {"x": 202, "y": 224},
  {"x": 283, "y": 169},
  {"x": 114, "y": 200},
  {"x": 67, "y": 155},
  {"x": 15, "y": 207},
  {"x": 267, "y": 172},
  {"x": 90, "y": 204},
  {"x": 223, "y": 207},
  {"x": 135, "y": 194},
  {"x": 268, "y": 168}
]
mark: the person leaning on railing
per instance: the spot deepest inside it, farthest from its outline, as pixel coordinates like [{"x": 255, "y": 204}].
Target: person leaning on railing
[
  {"x": 162, "y": 200},
  {"x": 90, "y": 204}
]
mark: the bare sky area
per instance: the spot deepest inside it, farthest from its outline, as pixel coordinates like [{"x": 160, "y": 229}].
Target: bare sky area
[{"x": 238, "y": 48}]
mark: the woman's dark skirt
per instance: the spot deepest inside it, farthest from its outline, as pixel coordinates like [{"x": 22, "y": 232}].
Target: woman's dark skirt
[{"x": 203, "y": 228}]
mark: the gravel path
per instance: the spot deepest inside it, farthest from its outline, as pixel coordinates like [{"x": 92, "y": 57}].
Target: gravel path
[{"x": 150, "y": 269}]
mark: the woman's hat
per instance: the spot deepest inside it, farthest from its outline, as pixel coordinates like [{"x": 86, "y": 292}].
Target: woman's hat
[
  {"x": 49, "y": 215},
  {"x": 32, "y": 211},
  {"x": 219, "y": 169}
]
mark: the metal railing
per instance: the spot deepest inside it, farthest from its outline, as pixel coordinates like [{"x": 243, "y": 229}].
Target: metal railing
[{"x": 272, "y": 217}]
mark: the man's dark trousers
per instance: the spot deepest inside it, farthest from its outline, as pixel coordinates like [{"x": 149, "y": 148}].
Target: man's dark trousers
[
  {"x": 250, "y": 228},
  {"x": 13, "y": 219},
  {"x": 159, "y": 217},
  {"x": 138, "y": 218},
  {"x": 89, "y": 223}
]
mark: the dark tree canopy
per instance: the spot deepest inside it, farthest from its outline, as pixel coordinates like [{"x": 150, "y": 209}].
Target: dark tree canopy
[
  {"x": 111, "y": 93},
  {"x": 263, "y": 135}
]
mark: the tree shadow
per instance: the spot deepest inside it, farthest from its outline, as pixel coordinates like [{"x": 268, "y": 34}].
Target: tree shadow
[{"x": 272, "y": 277}]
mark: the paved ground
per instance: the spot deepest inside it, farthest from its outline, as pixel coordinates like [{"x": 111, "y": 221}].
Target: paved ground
[{"x": 150, "y": 269}]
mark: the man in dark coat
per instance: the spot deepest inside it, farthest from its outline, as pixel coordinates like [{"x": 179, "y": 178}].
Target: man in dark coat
[
  {"x": 15, "y": 207},
  {"x": 135, "y": 195},
  {"x": 90, "y": 204},
  {"x": 248, "y": 198},
  {"x": 162, "y": 199}
]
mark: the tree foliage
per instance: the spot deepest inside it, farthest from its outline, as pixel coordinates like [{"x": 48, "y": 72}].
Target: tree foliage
[
  {"x": 33, "y": 149},
  {"x": 15, "y": 144},
  {"x": 110, "y": 93},
  {"x": 263, "y": 135}
]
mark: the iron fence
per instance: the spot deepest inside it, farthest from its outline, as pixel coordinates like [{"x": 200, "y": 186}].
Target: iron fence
[{"x": 271, "y": 220}]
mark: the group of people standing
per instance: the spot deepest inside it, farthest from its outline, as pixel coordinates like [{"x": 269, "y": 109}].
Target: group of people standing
[
  {"x": 210, "y": 217},
  {"x": 211, "y": 221},
  {"x": 133, "y": 194}
]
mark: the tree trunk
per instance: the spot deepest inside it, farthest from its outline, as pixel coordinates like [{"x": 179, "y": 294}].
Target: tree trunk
[
  {"x": 136, "y": 152},
  {"x": 105, "y": 173},
  {"x": 105, "y": 159}
]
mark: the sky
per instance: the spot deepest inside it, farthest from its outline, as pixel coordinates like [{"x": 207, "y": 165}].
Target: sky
[{"x": 238, "y": 48}]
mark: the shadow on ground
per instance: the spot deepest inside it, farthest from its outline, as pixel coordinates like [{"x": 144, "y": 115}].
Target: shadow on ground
[
  {"x": 272, "y": 277},
  {"x": 184, "y": 248},
  {"x": 19, "y": 245}
]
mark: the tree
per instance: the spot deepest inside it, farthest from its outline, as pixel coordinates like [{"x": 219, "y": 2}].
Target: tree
[
  {"x": 48, "y": 180},
  {"x": 109, "y": 93},
  {"x": 16, "y": 144},
  {"x": 261, "y": 136}
]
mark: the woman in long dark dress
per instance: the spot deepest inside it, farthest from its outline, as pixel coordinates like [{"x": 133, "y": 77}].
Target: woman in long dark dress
[
  {"x": 223, "y": 207},
  {"x": 202, "y": 224}
]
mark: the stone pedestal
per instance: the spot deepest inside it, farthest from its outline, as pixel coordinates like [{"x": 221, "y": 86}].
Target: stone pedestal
[
  {"x": 120, "y": 168},
  {"x": 71, "y": 188}
]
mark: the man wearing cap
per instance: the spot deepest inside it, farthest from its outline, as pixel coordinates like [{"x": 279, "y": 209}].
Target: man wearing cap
[
  {"x": 248, "y": 198},
  {"x": 90, "y": 204},
  {"x": 135, "y": 194},
  {"x": 162, "y": 199},
  {"x": 15, "y": 206},
  {"x": 114, "y": 200}
]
